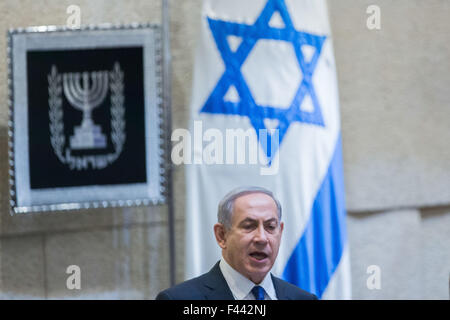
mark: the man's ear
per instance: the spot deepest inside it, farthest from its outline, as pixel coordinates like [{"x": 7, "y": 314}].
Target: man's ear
[
  {"x": 220, "y": 233},
  {"x": 281, "y": 227}
]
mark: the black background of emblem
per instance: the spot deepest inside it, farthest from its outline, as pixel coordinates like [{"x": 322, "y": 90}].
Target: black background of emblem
[{"x": 46, "y": 170}]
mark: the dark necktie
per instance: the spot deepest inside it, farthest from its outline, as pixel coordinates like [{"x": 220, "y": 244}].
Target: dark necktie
[{"x": 258, "y": 292}]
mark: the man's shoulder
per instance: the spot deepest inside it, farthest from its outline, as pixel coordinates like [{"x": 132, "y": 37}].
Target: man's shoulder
[
  {"x": 287, "y": 290},
  {"x": 187, "y": 290}
]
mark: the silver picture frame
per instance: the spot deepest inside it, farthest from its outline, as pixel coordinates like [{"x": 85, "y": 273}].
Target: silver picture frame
[{"x": 151, "y": 189}]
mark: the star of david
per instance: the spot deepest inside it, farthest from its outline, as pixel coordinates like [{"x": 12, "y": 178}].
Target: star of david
[{"x": 233, "y": 76}]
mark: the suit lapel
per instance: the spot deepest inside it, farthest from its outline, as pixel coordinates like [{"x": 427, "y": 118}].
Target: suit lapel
[
  {"x": 279, "y": 289},
  {"x": 216, "y": 287}
]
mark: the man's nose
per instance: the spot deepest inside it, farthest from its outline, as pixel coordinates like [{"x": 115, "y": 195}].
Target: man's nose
[{"x": 260, "y": 236}]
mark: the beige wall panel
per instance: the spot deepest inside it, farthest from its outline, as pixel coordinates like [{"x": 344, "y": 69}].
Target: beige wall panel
[
  {"x": 122, "y": 263},
  {"x": 393, "y": 85},
  {"x": 409, "y": 247},
  {"x": 22, "y": 268},
  {"x": 391, "y": 242},
  {"x": 436, "y": 253}
]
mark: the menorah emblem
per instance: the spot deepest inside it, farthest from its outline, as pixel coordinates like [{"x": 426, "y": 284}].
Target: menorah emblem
[
  {"x": 85, "y": 98},
  {"x": 86, "y": 91}
]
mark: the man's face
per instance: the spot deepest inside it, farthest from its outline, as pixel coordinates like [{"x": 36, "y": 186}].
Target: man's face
[{"x": 251, "y": 245}]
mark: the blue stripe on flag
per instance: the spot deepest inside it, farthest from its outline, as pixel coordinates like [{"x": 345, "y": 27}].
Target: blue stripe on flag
[{"x": 317, "y": 254}]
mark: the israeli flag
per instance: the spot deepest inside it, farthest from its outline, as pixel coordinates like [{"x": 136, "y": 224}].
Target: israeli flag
[{"x": 265, "y": 112}]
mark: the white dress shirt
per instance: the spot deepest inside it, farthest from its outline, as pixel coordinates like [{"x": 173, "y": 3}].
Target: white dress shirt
[{"x": 241, "y": 286}]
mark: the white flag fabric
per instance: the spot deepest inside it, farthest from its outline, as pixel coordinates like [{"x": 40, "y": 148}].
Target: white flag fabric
[{"x": 265, "y": 112}]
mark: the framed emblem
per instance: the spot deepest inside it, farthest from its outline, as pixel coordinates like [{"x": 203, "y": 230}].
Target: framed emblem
[{"x": 86, "y": 117}]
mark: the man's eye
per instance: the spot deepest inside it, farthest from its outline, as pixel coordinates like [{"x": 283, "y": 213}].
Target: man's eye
[{"x": 247, "y": 226}]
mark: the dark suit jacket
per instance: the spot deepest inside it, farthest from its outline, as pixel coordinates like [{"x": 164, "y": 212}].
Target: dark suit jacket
[{"x": 213, "y": 286}]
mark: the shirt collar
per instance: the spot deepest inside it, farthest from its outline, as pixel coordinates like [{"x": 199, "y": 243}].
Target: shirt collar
[{"x": 241, "y": 286}]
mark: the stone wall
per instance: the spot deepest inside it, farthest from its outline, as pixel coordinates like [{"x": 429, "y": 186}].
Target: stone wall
[
  {"x": 396, "y": 133},
  {"x": 395, "y": 127}
]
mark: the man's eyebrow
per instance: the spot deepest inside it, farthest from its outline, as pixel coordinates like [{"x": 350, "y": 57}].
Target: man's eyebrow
[
  {"x": 254, "y": 220},
  {"x": 247, "y": 220}
]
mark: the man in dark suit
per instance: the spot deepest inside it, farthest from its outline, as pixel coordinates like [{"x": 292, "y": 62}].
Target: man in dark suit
[{"x": 249, "y": 232}]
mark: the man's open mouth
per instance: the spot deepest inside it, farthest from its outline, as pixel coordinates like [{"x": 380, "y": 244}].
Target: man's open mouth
[{"x": 258, "y": 255}]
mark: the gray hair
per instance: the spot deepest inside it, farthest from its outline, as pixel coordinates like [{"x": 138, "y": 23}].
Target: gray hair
[{"x": 226, "y": 205}]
